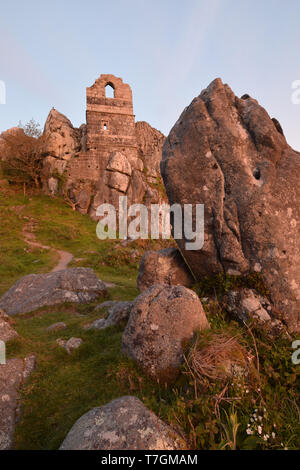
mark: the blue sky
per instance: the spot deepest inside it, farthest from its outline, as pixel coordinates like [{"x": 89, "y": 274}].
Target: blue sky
[{"x": 167, "y": 50}]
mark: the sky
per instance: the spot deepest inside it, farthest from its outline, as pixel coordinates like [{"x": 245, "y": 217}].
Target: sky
[{"x": 167, "y": 50}]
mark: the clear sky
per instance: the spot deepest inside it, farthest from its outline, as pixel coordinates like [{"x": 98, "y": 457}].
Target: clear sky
[{"x": 167, "y": 50}]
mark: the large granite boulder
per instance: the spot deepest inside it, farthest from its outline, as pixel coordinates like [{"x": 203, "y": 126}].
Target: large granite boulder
[
  {"x": 122, "y": 424},
  {"x": 79, "y": 285},
  {"x": 162, "y": 322},
  {"x": 236, "y": 161},
  {"x": 163, "y": 267}
]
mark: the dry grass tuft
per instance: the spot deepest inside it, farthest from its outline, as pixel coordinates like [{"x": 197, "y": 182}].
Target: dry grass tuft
[{"x": 219, "y": 357}]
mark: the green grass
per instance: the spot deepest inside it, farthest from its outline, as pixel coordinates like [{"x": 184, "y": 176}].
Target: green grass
[
  {"x": 59, "y": 227},
  {"x": 16, "y": 260},
  {"x": 63, "y": 386}
]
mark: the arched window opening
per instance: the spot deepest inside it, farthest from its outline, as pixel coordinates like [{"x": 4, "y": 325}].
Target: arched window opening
[
  {"x": 105, "y": 127},
  {"x": 109, "y": 91}
]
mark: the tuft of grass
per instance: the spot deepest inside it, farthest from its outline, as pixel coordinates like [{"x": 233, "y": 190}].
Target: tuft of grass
[{"x": 218, "y": 356}]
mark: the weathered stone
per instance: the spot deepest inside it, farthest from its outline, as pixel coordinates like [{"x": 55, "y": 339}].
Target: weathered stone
[
  {"x": 5, "y": 137},
  {"x": 247, "y": 304},
  {"x": 163, "y": 267},
  {"x": 52, "y": 185},
  {"x": 79, "y": 285},
  {"x": 72, "y": 344},
  {"x": 61, "y": 342},
  {"x": 226, "y": 153},
  {"x": 69, "y": 344},
  {"x": 106, "y": 304},
  {"x": 162, "y": 319},
  {"x": 150, "y": 142},
  {"x": 118, "y": 162},
  {"x": 122, "y": 424},
  {"x": 7, "y": 332},
  {"x": 117, "y": 181},
  {"x": 61, "y": 139},
  {"x": 57, "y": 326},
  {"x": 118, "y": 312},
  {"x": 12, "y": 376}
]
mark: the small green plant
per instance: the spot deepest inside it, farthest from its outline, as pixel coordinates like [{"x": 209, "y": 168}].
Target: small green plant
[{"x": 230, "y": 430}]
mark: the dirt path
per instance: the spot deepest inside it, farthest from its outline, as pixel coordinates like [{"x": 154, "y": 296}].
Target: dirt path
[
  {"x": 29, "y": 237},
  {"x": 65, "y": 257}
]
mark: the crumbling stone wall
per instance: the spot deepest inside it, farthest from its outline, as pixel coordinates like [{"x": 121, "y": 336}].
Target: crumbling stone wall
[{"x": 109, "y": 156}]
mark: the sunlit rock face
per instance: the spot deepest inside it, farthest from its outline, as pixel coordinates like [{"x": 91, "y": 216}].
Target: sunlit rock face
[{"x": 227, "y": 153}]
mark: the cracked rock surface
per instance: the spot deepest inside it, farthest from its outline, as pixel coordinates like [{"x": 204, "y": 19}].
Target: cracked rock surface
[
  {"x": 13, "y": 375},
  {"x": 236, "y": 161},
  {"x": 34, "y": 291},
  {"x": 122, "y": 424}
]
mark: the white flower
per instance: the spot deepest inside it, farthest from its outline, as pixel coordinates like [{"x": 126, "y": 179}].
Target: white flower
[
  {"x": 260, "y": 418},
  {"x": 266, "y": 437},
  {"x": 249, "y": 431},
  {"x": 273, "y": 435},
  {"x": 259, "y": 429}
]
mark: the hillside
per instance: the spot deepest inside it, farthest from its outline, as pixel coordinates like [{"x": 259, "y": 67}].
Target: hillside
[{"x": 208, "y": 413}]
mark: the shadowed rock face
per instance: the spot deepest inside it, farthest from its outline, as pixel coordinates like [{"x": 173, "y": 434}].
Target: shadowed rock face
[
  {"x": 122, "y": 424},
  {"x": 236, "y": 161}
]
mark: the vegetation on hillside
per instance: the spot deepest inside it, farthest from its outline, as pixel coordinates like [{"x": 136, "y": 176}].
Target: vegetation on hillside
[{"x": 257, "y": 409}]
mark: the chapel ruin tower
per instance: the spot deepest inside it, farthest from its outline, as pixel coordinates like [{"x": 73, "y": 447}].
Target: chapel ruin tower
[
  {"x": 110, "y": 129},
  {"x": 115, "y": 156},
  {"x": 110, "y": 121}
]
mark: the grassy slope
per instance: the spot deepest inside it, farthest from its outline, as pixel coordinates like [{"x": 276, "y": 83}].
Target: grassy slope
[{"x": 63, "y": 387}]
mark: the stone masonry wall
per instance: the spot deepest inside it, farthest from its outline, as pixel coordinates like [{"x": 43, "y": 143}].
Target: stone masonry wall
[{"x": 109, "y": 156}]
